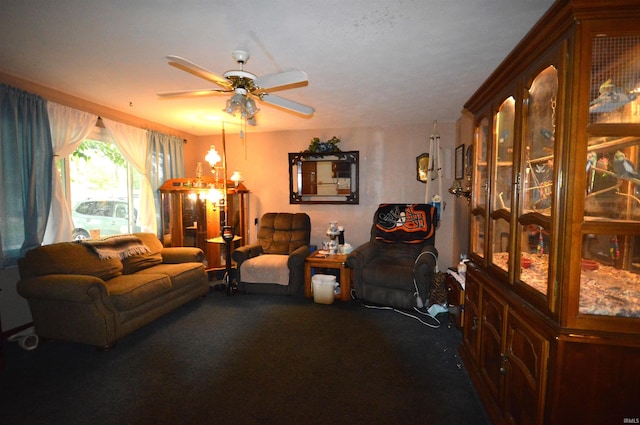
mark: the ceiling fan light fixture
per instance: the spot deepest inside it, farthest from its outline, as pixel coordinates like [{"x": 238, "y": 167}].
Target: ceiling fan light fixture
[
  {"x": 242, "y": 104},
  {"x": 234, "y": 104},
  {"x": 229, "y": 109},
  {"x": 244, "y": 84},
  {"x": 250, "y": 108}
]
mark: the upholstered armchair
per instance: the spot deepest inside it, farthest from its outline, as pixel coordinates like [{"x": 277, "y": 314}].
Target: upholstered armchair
[
  {"x": 275, "y": 264},
  {"x": 397, "y": 264}
]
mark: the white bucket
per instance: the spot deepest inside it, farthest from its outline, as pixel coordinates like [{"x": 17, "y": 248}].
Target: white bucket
[{"x": 323, "y": 287}]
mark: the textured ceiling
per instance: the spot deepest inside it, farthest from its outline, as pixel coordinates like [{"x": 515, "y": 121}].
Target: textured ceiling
[{"x": 369, "y": 62}]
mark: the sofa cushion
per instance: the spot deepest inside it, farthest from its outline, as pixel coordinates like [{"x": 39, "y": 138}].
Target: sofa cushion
[
  {"x": 151, "y": 241},
  {"x": 129, "y": 291},
  {"x": 283, "y": 233},
  {"x": 181, "y": 274},
  {"x": 136, "y": 263},
  {"x": 68, "y": 258},
  {"x": 389, "y": 273},
  {"x": 270, "y": 268}
]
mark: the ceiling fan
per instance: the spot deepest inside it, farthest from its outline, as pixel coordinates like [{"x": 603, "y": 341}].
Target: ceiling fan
[{"x": 245, "y": 86}]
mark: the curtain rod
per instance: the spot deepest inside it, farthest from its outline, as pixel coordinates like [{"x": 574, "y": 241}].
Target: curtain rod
[{"x": 100, "y": 123}]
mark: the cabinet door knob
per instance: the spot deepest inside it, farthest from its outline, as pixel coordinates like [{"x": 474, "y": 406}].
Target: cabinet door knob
[{"x": 503, "y": 367}]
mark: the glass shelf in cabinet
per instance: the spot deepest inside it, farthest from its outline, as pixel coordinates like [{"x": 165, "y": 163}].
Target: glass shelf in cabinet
[{"x": 610, "y": 275}]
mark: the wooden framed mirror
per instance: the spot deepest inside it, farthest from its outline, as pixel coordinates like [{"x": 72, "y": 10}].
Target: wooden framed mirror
[
  {"x": 324, "y": 178},
  {"x": 422, "y": 165}
]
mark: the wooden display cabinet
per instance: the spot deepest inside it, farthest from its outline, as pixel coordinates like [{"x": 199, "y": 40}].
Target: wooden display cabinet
[
  {"x": 191, "y": 216},
  {"x": 551, "y": 330}
]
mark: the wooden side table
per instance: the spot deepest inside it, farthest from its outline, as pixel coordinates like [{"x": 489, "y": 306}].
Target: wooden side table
[{"x": 335, "y": 261}]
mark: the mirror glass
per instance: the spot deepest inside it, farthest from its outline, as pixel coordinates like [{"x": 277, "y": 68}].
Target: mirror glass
[{"x": 329, "y": 178}]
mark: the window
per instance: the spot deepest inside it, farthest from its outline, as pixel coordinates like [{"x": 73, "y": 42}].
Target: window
[{"x": 102, "y": 188}]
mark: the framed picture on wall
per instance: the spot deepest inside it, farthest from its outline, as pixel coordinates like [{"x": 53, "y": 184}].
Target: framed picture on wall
[
  {"x": 459, "y": 170},
  {"x": 422, "y": 165}
]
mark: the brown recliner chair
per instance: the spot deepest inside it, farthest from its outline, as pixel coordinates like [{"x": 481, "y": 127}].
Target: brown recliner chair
[
  {"x": 275, "y": 264},
  {"x": 397, "y": 265}
]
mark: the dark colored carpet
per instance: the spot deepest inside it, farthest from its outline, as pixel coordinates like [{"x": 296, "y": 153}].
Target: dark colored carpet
[{"x": 249, "y": 359}]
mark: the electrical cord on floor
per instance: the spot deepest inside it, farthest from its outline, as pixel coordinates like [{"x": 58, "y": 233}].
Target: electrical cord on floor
[
  {"x": 419, "y": 301},
  {"x": 27, "y": 340},
  {"x": 429, "y": 320}
]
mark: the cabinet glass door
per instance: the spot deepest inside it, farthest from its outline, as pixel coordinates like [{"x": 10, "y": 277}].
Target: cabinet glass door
[
  {"x": 481, "y": 173},
  {"x": 615, "y": 80},
  {"x": 536, "y": 184},
  {"x": 610, "y": 261},
  {"x": 192, "y": 215},
  {"x": 502, "y": 183},
  {"x": 481, "y": 185}
]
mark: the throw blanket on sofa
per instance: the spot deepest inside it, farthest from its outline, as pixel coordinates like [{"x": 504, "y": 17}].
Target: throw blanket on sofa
[
  {"x": 120, "y": 247},
  {"x": 408, "y": 223}
]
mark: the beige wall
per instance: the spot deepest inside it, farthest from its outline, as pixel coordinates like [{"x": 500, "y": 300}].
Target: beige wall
[
  {"x": 14, "y": 310},
  {"x": 387, "y": 174}
]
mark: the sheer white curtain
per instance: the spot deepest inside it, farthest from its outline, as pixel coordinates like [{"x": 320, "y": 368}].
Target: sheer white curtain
[
  {"x": 133, "y": 145},
  {"x": 69, "y": 128}
]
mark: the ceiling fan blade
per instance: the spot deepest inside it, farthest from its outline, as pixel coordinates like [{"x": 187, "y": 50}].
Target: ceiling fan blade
[
  {"x": 198, "y": 71},
  {"x": 193, "y": 93},
  {"x": 287, "y": 104},
  {"x": 281, "y": 80}
]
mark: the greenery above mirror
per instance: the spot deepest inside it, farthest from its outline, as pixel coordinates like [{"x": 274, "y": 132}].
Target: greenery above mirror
[
  {"x": 317, "y": 146},
  {"x": 324, "y": 178}
]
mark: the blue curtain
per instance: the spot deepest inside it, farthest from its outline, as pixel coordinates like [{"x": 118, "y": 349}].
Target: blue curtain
[
  {"x": 26, "y": 158},
  {"x": 165, "y": 160}
]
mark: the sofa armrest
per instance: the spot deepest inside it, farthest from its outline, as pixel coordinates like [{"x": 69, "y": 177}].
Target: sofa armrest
[
  {"x": 243, "y": 253},
  {"x": 362, "y": 255},
  {"x": 358, "y": 259},
  {"x": 73, "y": 308},
  {"x": 174, "y": 255},
  {"x": 295, "y": 263},
  {"x": 63, "y": 287},
  {"x": 297, "y": 257}
]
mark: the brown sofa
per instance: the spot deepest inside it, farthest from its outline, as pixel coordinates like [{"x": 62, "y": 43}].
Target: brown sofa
[{"x": 76, "y": 296}]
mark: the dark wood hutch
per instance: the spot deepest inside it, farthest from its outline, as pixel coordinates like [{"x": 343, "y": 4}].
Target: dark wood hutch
[
  {"x": 191, "y": 216},
  {"x": 552, "y": 302}
]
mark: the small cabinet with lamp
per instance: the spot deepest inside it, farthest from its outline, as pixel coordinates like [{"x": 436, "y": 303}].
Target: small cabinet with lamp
[{"x": 193, "y": 210}]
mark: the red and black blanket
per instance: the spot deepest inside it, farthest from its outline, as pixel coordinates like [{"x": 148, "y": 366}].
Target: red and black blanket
[{"x": 407, "y": 223}]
